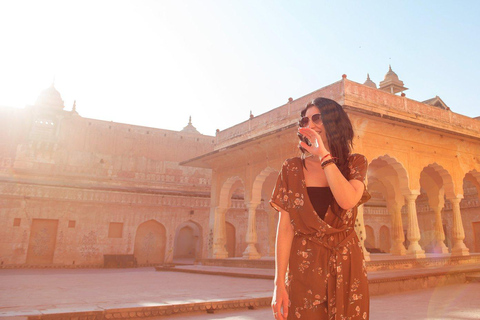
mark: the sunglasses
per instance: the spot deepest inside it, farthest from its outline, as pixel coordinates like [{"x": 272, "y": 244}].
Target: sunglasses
[{"x": 316, "y": 118}]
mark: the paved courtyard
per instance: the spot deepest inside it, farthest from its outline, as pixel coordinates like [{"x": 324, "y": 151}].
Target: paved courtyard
[
  {"x": 25, "y": 290},
  {"x": 40, "y": 289},
  {"x": 459, "y": 302}
]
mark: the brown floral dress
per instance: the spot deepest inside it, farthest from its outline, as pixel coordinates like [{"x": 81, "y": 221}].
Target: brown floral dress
[{"x": 326, "y": 277}]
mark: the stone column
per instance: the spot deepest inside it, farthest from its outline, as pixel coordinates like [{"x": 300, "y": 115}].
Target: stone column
[
  {"x": 440, "y": 246},
  {"x": 251, "y": 238},
  {"x": 219, "y": 232},
  {"x": 361, "y": 232},
  {"x": 413, "y": 231},
  {"x": 398, "y": 237},
  {"x": 459, "y": 248}
]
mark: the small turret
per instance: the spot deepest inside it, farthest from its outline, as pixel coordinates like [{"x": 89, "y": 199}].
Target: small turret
[
  {"x": 370, "y": 83},
  {"x": 391, "y": 83}
]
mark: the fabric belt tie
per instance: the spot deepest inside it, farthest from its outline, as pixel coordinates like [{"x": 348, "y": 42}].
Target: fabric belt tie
[{"x": 333, "y": 281}]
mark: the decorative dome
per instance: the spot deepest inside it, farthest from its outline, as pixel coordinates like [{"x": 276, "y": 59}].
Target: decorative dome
[
  {"x": 370, "y": 83},
  {"x": 392, "y": 76},
  {"x": 190, "y": 128},
  {"x": 50, "y": 98},
  {"x": 391, "y": 83}
]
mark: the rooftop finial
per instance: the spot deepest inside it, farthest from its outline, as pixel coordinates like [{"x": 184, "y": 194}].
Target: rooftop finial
[
  {"x": 74, "y": 108},
  {"x": 190, "y": 128}
]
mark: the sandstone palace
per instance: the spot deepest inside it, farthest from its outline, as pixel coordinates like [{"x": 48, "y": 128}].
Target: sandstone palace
[{"x": 74, "y": 191}]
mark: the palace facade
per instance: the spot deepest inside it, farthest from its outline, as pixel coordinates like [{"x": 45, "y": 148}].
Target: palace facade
[{"x": 73, "y": 190}]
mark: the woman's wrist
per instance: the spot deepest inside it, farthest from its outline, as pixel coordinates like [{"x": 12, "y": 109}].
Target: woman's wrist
[
  {"x": 279, "y": 283},
  {"x": 324, "y": 157},
  {"x": 328, "y": 162}
]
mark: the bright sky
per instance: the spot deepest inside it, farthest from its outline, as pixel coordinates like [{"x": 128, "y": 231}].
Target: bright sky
[{"x": 155, "y": 63}]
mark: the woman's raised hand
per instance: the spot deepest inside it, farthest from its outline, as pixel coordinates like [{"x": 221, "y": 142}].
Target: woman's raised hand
[{"x": 317, "y": 148}]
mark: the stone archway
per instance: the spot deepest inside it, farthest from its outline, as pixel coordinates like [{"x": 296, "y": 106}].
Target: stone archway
[
  {"x": 434, "y": 183},
  {"x": 264, "y": 228},
  {"x": 150, "y": 242},
  {"x": 454, "y": 195},
  {"x": 388, "y": 183},
  {"x": 188, "y": 242},
  {"x": 232, "y": 188},
  {"x": 231, "y": 193}
]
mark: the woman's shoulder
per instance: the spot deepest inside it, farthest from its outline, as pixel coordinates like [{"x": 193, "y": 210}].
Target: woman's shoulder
[
  {"x": 292, "y": 164},
  {"x": 292, "y": 161},
  {"x": 356, "y": 158}
]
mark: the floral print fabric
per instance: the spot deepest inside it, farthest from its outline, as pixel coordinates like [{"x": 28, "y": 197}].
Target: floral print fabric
[{"x": 326, "y": 277}]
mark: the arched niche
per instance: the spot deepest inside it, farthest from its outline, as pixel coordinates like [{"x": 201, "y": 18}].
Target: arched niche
[
  {"x": 188, "y": 242},
  {"x": 150, "y": 243}
]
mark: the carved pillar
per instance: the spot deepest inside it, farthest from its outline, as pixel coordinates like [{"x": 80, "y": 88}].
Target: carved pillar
[
  {"x": 459, "y": 248},
  {"x": 440, "y": 246},
  {"x": 398, "y": 237},
  {"x": 219, "y": 232},
  {"x": 413, "y": 231},
  {"x": 251, "y": 238},
  {"x": 361, "y": 232}
]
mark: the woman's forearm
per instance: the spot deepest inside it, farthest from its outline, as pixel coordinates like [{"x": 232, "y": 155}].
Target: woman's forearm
[
  {"x": 283, "y": 246},
  {"x": 346, "y": 194}
]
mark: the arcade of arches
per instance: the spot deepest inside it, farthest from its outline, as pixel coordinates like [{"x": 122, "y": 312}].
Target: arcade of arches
[{"x": 399, "y": 221}]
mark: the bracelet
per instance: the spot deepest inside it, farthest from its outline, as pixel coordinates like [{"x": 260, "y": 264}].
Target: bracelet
[
  {"x": 327, "y": 162},
  {"x": 321, "y": 160},
  {"x": 326, "y": 165}
]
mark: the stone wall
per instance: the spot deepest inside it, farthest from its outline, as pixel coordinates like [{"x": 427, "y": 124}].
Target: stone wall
[{"x": 73, "y": 189}]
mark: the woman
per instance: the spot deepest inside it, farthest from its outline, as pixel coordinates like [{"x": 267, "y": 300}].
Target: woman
[{"x": 317, "y": 198}]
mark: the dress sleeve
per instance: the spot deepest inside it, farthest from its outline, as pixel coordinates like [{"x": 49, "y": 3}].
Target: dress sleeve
[
  {"x": 358, "y": 171},
  {"x": 280, "y": 199}
]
